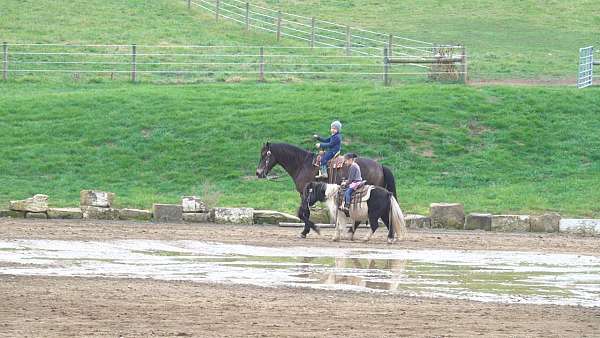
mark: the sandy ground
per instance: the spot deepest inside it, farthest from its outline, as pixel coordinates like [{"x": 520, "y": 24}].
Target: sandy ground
[{"x": 49, "y": 306}]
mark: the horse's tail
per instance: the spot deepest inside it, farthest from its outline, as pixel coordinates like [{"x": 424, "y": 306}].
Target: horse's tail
[
  {"x": 397, "y": 218},
  {"x": 389, "y": 181}
]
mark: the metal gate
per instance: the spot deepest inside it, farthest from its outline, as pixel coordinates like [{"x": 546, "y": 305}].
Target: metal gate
[{"x": 586, "y": 67}]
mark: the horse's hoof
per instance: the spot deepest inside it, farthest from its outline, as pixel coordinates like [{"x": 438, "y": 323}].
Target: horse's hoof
[
  {"x": 391, "y": 240},
  {"x": 335, "y": 239},
  {"x": 318, "y": 231},
  {"x": 302, "y": 236}
]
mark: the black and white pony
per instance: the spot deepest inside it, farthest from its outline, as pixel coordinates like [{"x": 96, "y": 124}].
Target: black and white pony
[{"x": 381, "y": 204}]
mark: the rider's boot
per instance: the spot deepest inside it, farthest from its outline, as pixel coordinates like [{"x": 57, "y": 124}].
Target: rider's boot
[
  {"x": 322, "y": 172},
  {"x": 346, "y": 209}
]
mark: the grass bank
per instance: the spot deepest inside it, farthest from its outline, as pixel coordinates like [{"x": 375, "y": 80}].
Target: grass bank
[
  {"x": 496, "y": 149},
  {"x": 510, "y": 39}
]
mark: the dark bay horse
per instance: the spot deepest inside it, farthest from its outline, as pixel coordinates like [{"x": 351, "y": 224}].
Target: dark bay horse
[{"x": 298, "y": 163}]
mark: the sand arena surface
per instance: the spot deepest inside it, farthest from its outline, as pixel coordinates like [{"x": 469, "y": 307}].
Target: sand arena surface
[{"x": 72, "y": 306}]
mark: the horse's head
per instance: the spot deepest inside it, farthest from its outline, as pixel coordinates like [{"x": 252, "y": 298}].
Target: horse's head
[
  {"x": 314, "y": 192},
  {"x": 267, "y": 161}
]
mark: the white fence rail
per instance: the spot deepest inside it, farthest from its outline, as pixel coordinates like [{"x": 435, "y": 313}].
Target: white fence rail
[
  {"x": 313, "y": 31},
  {"x": 192, "y": 63}
]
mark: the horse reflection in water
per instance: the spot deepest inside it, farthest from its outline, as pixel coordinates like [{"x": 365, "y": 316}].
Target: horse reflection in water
[{"x": 369, "y": 267}]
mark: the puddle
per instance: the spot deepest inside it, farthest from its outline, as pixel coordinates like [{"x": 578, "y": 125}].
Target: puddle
[{"x": 490, "y": 276}]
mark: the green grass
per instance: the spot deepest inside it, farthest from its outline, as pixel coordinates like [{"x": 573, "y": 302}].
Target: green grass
[
  {"x": 518, "y": 39},
  {"x": 495, "y": 149},
  {"x": 509, "y": 39}
]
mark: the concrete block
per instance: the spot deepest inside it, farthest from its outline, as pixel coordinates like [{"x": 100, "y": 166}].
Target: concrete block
[
  {"x": 583, "y": 226},
  {"x": 37, "y": 203},
  {"x": 96, "y": 198},
  {"x": 135, "y": 215},
  {"x": 273, "y": 217},
  {"x": 12, "y": 214},
  {"x": 319, "y": 215},
  {"x": 196, "y": 217},
  {"x": 233, "y": 215},
  {"x": 90, "y": 212},
  {"x": 549, "y": 222},
  {"x": 447, "y": 215},
  {"x": 510, "y": 223},
  {"x": 65, "y": 213},
  {"x": 193, "y": 204},
  {"x": 476, "y": 221},
  {"x": 36, "y": 215},
  {"x": 417, "y": 221},
  {"x": 167, "y": 213}
]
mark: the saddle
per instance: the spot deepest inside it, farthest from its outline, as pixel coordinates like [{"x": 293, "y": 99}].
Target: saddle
[
  {"x": 336, "y": 168},
  {"x": 361, "y": 194},
  {"x": 336, "y": 162}
]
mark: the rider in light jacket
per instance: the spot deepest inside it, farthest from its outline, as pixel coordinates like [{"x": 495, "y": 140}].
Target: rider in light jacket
[{"x": 353, "y": 181}]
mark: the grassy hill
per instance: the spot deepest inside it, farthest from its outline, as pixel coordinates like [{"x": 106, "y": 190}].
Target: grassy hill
[
  {"x": 510, "y": 39},
  {"x": 492, "y": 148},
  {"x": 497, "y": 149}
]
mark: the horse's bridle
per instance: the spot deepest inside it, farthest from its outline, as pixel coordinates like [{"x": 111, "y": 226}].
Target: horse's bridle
[{"x": 267, "y": 160}]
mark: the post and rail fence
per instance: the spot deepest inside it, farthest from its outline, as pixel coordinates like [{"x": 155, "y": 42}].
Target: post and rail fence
[
  {"x": 314, "y": 31},
  {"x": 137, "y": 62}
]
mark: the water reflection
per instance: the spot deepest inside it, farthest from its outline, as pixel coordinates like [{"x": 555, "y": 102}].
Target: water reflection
[
  {"x": 476, "y": 275},
  {"x": 351, "y": 271}
]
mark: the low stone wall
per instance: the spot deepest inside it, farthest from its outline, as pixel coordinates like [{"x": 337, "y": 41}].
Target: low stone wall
[{"x": 99, "y": 205}]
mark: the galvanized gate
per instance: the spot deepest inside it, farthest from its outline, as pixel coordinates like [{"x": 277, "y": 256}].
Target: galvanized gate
[{"x": 586, "y": 67}]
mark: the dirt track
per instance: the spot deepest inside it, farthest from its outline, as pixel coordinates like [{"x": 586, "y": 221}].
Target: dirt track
[{"x": 48, "y": 306}]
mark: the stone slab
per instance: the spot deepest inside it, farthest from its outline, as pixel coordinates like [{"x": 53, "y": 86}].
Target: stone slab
[
  {"x": 233, "y": 215},
  {"x": 96, "y": 198},
  {"x": 196, "y": 217},
  {"x": 168, "y": 213},
  {"x": 417, "y": 221},
  {"x": 37, "y": 203},
  {"x": 12, "y": 214},
  {"x": 549, "y": 222},
  {"x": 65, "y": 213},
  {"x": 36, "y": 215},
  {"x": 478, "y": 221},
  {"x": 319, "y": 215},
  {"x": 90, "y": 212},
  {"x": 510, "y": 223},
  {"x": 273, "y": 217},
  {"x": 447, "y": 215},
  {"x": 582, "y": 226},
  {"x": 135, "y": 215},
  {"x": 193, "y": 204}
]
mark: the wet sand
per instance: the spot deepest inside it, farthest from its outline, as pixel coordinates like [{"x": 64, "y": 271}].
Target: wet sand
[{"x": 68, "y": 306}]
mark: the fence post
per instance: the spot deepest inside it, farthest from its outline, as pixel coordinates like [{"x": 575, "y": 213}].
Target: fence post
[
  {"x": 386, "y": 67},
  {"x": 247, "y": 16},
  {"x": 217, "y": 6},
  {"x": 278, "y": 25},
  {"x": 312, "y": 32},
  {"x": 348, "y": 40},
  {"x": 133, "y": 62},
  {"x": 261, "y": 65},
  {"x": 463, "y": 64},
  {"x": 390, "y": 44},
  {"x": 189, "y": 4},
  {"x": 5, "y": 61}
]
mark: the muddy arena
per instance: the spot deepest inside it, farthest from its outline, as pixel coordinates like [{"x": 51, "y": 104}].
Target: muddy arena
[{"x": 132, "y": 279}]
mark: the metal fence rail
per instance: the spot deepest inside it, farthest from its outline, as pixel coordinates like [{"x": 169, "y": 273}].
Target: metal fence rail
[
  {"x": 585, "y": 74},
  {"x": 192, "y": 63},
  {"x": 315, "y": 32}
]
